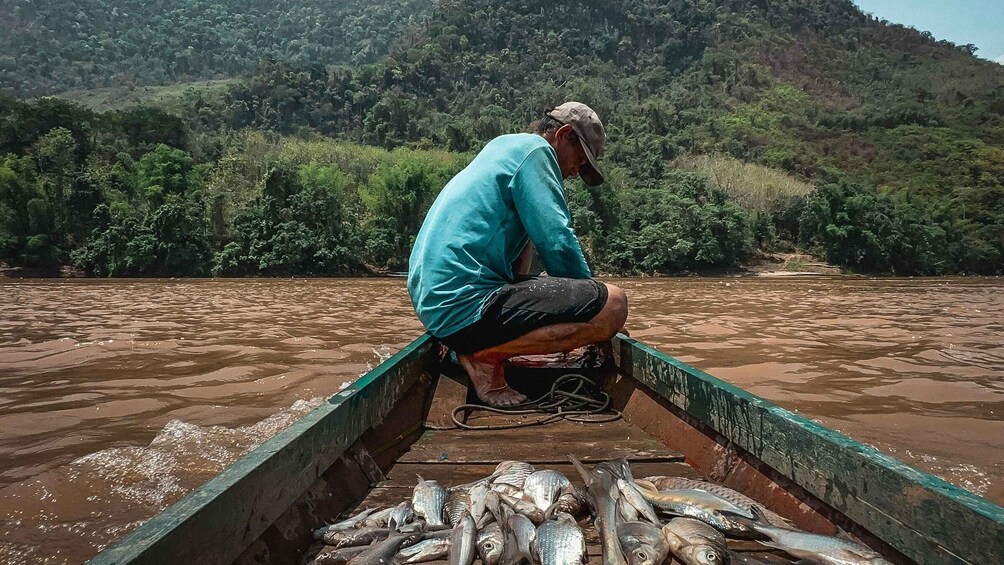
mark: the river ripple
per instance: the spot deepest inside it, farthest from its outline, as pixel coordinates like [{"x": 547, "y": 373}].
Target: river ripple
[{"x": 117, "y": 397}]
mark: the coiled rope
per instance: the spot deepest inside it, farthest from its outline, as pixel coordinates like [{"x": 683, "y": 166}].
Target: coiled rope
[{"x": 572, "y": 397}]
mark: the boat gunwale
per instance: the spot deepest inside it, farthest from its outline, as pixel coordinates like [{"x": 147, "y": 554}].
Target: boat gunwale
[
  {"x": 940, "y": 541},
  {"x": 349, "y": 413}
]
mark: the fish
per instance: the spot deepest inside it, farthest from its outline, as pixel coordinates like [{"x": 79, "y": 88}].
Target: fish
[
  {"x": 377, "y": 519},
  {"x": 543, "y": 487},
  {"x": 559, "y": 541},
  {"x": 400, "y": 515},
  {"x": 428, "y": 500},
  {"x": 601, "y": 495},
  {"x": 571, "y": 503},
  {"x": 630, "y": 495},
  {"x": 477, "y": 494},
  {"x": 512, "y": 473},
  {"x": 490, "y": 544},
  {"x": 817, "y": 548},
  {"x": 702, "y": 505},
  {"x": 347, "y": 524},
  {"x": 695, "y": 543},
  {"x": 619, "y": 468},
  {"x": 724, "y": 492},
  {"x": 351, "y": 538},
  {"x": 337, "y": 556},
  {"x": 642, "y": 543},
  {"x": 458, "y": 503},
  {"x": 463, "y": 541},
  {"x": 625, "y": 511},
  {"x": 518, "y": 533},
  {"x": 383, "y": 552},
  {"x": 426, "y": 550},
  {"x": 528, "y": 509}
]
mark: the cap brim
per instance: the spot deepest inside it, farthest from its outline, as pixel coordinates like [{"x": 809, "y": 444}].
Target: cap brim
[{"x": 590, "y": 173}]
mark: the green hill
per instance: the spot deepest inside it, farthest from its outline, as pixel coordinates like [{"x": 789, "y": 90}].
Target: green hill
[
  {"x": 902, "y": 136},
  {"x": 56, "y": 45}
]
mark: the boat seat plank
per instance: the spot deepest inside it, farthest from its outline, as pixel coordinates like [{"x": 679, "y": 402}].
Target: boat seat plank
[{"x": 547, "y": 444}]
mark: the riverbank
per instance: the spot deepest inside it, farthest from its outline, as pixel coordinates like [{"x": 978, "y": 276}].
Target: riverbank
[{"x": 765, "y": 265}]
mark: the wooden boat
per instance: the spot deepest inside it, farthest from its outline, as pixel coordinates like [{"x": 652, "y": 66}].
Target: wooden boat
[{"x": 367, "y": 443}]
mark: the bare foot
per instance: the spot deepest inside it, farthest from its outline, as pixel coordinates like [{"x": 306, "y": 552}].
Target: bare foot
[{"x": 490, "y": 385}]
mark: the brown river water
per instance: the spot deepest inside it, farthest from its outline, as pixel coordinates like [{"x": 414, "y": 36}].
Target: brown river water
[{"x": 118, "y": 397}]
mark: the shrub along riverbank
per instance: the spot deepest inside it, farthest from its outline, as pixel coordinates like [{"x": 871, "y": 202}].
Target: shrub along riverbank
[{"x": 133, "y": 193}]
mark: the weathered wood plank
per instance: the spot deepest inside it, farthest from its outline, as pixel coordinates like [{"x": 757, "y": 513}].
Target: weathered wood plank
[
  {"x": 918, "y": 514},
  {"x": 217, "y": 521},
  {"x": 540, "y": 445}
]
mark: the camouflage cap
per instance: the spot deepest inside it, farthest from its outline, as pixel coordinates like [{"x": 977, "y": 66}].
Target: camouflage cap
[{"x": 589, "y": 129}]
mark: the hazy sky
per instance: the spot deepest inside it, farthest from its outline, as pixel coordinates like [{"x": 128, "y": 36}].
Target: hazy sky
[{"x": 980, "y": 22}]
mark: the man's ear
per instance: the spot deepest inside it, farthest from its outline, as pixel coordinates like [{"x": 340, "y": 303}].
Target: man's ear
[{"x": 563, "y": 131}]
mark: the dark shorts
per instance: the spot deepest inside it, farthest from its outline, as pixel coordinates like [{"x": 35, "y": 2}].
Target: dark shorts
[{"x": 517, "y": 309}]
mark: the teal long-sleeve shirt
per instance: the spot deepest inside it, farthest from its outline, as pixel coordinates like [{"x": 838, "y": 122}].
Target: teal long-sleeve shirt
[{"x": 511, "y": 192}]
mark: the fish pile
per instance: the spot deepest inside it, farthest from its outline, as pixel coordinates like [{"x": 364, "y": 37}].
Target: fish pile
[{"x": 520, "y": 514}]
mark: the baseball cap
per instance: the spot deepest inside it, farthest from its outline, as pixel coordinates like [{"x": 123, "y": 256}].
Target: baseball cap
[{"x": 589, "y": 129}]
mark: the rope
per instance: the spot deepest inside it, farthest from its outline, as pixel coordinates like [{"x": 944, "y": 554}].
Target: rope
[{"x": 572, "y": 397}]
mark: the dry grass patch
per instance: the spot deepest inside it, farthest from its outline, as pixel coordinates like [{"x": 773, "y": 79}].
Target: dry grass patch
[{"x": 754, "y": 187}]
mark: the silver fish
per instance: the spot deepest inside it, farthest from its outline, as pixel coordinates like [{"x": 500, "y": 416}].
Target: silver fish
[
  {"x": 425, "y": 550},
  {"x": 517, "y": 535},
  {"x": 428, "y": 500},
  {"x": 463, "y": 541},
  {"x": 383, "y": 552},
  {"x": 642, "y": 543},
  {"x": 625, "y": 511},
  {"x": 601, "y": 494},
  {"x": 695, "y": 543},
  {"x": 351, "y": 538},
  {"x": 508, "y": 490},
  {"x": 458, "y": 503},
  {"x": 817, "y": 548},
  {"x": 490, "y": 544},
  {"x": 477, "y": 494},
  {"x": 544, "y": 487},
  {"x": 560, "y": 541},
  {"x": 630, "y": 494},
  {"x": 512, "y": 473},
  {"x": 377, "y": 519},
  {"x": 570, "y": 503},
  {"x": 528, "y": 509},
  {"x": 347, "y": 524},
  {"x": 702, "y": 505},
  {"x": 724, "y": 492},
  {"x": 619, "y": 468},
  {"x": 337, "y": 556},
  {"x": 400, "y": 515}
]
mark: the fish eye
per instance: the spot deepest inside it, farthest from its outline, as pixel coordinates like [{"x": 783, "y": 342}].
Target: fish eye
[{"x": 641, "y": 555}]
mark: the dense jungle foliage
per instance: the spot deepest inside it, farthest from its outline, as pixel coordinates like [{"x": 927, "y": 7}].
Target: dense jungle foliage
[{"x": 734, "y": 126}]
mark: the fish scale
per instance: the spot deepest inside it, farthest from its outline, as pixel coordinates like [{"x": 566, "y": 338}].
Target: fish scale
[
  {"x": 428, "y": 501},
  {"x": 694, "y": 542},
  {"x": 560, "y": 542},
  {"x": 721, "y": 491},
  {"x": 543, "y": 487}
]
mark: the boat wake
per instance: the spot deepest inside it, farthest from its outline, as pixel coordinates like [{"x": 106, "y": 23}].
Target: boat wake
[{"x": 68, "y": 514}]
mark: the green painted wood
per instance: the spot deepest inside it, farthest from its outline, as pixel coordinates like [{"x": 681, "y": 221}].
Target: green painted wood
[
  {"x": 924, "y": 517},
  {"x": 221, "y": 518}
]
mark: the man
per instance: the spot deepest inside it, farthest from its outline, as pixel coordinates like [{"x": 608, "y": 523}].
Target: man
[{"x": 467, "y": 269}]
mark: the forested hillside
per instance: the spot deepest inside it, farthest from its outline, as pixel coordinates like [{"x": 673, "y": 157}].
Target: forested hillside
[
  {"x": 55, "y": 45},
  {"x": 735, "y": 126}
]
